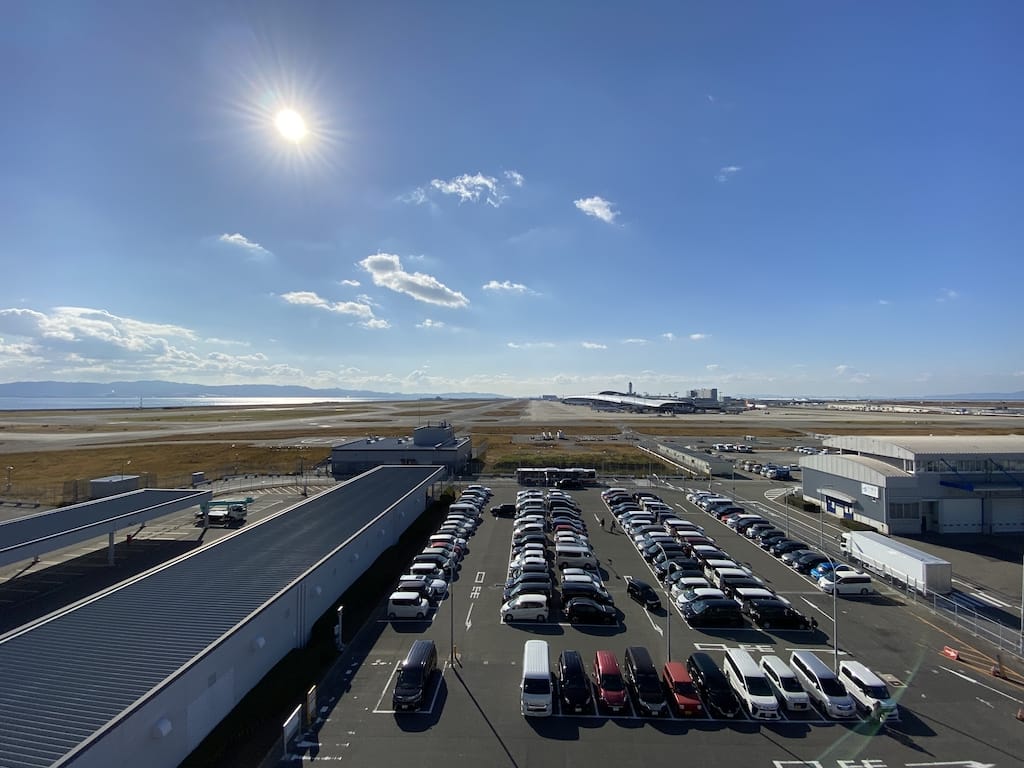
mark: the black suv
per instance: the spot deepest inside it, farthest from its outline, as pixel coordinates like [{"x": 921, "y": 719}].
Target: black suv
[
  {"x": 775, "y": 614},
  {"x": 573, "y": 682},
  {"x": 584, "y": 610},
  {"x": 711, "y": 684},
  {"x": 643, "y": 680},
  {"x": 643, "y": 593},
  {"x": 571, "y": 589}
]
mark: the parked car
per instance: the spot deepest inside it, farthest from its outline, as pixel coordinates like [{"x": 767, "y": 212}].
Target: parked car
[
  {"x": 807, "y": 562},
  {"x": 525, "y": 608},
  {"x": 573, "y": 682},
  {"x": 773, "y": 613},
  {"x": 683, "y": 696},
  {"x": 528, "y": 588},
  {"x": 826, "y": 568},
  {"x": 844, "y": 583},
  {"x": 643, "y": 593},
  {"x": 783, "y": 546},
  {"x": 608, "y": 682},
  {"x": 710, "y": 682},
  {"x": 793, "y": 555},
  {"x": 642, "y": 678},
  {"x": 580, "y": 589},
  {"x": 585, "y": 610},
  {"x": 713, "y": 613}
]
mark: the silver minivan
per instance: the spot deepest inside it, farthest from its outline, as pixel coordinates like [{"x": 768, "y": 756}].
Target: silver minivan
[{"x": 821, "y": 684}]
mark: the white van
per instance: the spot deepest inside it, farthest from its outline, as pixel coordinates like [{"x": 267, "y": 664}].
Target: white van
[
  {"x": 536, "y": 684},
  {"x": 718, "y": 577},
  {"x": 464, "y": 508},
  {"x": 786, "y": 686},
  {"x": 821, "y": 684},
  {"x": 750, "y": 685},
  {"x": 867, "y": 690},
  {"x": 407, "y": 605},
  {"x": 569, "y": 556},
  {"x": 847, "y": 583}
]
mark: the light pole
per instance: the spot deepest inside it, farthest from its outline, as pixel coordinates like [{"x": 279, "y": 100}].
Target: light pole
[
  {"x": 451, "y": 611},
  {"x": 821, "y": 519},
  {"x": 9, "y": 470},
  {"x": 668, "y": 631},
  {"x": 835, "y": 617},
  {"x": 124, "y": 463}
]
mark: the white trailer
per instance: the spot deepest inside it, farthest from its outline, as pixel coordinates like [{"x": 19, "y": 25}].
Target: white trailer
[{"x": 900, "y": 562}]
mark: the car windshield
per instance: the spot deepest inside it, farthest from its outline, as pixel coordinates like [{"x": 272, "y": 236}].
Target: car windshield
[
  {"x": 790, "y": 684},
  {"x": 536, "y": 685},
  {"x": 758, "y": 686},
  {"x": 832, "y": 687},
  {"x": 410, "y": 677},
  {"x": 682, "y": 688},
  {"x": 877, "y": 691},
  {"x": 612, "y": 683}
]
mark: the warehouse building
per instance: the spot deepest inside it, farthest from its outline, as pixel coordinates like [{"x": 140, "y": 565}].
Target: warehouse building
[
  {"x": 430, "y": 445},
  {"x": 917, "y": 484},
  {"x": 140, "y": 673}
]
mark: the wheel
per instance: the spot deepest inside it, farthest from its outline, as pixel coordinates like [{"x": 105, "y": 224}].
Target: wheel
[
  {"x": 508, "y": 618},
  {"x": 391, "y": 616},
  {"x": 541, "y": 618},
  {"x": 863, "y": 590},
  {"x": 766, "y": 625},
  {"x": 419, "y": 614}
]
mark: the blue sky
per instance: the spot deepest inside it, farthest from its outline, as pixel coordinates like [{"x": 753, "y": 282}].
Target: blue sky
[{"x": 789, "y": 198}]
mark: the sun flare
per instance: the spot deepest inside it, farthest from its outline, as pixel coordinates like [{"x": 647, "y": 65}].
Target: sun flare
[{"x": 291, "y": 125}]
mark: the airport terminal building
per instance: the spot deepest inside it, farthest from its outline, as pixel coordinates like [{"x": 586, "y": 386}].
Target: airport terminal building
[{"x": 916, "y": 484}]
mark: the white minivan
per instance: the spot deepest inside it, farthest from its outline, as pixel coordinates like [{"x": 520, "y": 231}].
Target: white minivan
[
  {"x": 786, "y": 686},
  {"x": 536, "y": 684},
  {"x": 821, "y": 684},
  {"x": 407, "y": 605},
  {"x": 846, "y": 583},
  {"x": 750, "y": 685},
  {"x": 568, "y": 556},
  {"x": 868, "y": 690}
]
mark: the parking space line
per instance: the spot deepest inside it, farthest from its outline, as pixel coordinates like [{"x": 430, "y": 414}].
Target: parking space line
[
  {"x": 387, "y": 686},
  {"x": 433, "y": 699}
]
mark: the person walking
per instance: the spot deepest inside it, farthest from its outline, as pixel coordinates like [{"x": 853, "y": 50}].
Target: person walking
[{"x": 601, "y": 520}]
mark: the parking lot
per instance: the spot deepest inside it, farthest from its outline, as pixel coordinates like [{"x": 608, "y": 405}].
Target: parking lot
[{"x": 949, "y": 714}]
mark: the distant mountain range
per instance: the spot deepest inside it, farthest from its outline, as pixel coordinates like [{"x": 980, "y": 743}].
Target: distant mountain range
[{"x": 178, "y": 389}]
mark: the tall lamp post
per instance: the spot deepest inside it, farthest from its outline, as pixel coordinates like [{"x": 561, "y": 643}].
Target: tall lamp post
[
  {"x": 835, "y": 617},
  {"x": 124, "y": 463},
  {"x": 451, "y": 611},
  {"x": 9, "y": 470}
]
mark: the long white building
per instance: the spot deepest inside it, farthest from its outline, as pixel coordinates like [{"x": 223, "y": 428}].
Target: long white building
[{"x": 907, "y": 485}]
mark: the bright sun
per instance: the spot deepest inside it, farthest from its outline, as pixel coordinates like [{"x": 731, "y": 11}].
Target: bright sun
[{"x": 291, "y": 125}]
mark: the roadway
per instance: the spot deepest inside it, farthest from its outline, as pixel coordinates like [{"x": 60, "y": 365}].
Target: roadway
[{"x": 953, "y": 713}]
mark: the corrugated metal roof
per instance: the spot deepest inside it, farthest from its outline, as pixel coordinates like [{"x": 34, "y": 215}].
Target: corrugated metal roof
[
  {"x": 63, "y": 679},
  {"x": 877, "y": 465},
  {"x": 910, "y": 446}
]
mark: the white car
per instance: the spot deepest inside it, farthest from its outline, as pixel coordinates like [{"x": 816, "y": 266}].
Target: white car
[
  {"x": 592, "y": 575},
  {"x": 525, "y": 608},
  {"x": 845, "y": 583},
  {"x": 688, "y": 582}
]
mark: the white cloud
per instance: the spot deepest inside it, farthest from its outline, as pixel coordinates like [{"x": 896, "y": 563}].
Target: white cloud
[
  {"x": 350, "y": 283},
  {"x": 698, "y": 336},
  {"x": 418, "y": 196},
  {"x": 506, "y": 286},
  {"x": 471, "y": 188},
  {"x": 726, "y": 172},
  {"x": 852, "y": 375},
  {"x": 357, "y": 309},
  {"x": 253, "y": 249},
  {"x": 428, "y": 323},
  {"x": 668, "y": 336},
  {"x": 710, "y": 98},
  {"x": 635, "y": 341},
  {"x": 593, "y": 345},
  {"x": 597, "y": 207},
  {"x": 530, "y": 345},
  {"x": 515, "y": 177},
  {"x": 712, "y": 366},
  {"x": 884, "y": 302},
  {"x": 387, "y": 272},
  {"x": 948, "y": 295}
]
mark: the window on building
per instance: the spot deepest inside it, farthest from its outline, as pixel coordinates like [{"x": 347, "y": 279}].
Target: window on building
[{"x": 904, "y": 510}]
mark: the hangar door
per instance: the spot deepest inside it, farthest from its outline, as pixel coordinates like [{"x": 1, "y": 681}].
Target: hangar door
[
  {"x": 960, "y": 516},
  {"x": 1007, "y": 515}
]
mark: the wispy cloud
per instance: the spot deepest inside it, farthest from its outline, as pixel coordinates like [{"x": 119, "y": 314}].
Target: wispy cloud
[
  {"x": 726, "y": 172},
  {"x": 530, "y": 345},
  {"x": 515, "y": 178},
  {"x": 635, "y": 341},
  {"x": 711, "y": 99},
  {"x": 387, "y": 272},
  {"x": 350, "y": 283},
  {"x": 851, "y": 374},
  {"x": 948, "y": 295},
  {"x": 417, "y": 196},
  {"x": 357, "y": 309},
  {"x": 506, "y": 286},
  {"x": 593, "y": 345},
  {"x": 428, "y": 323},
  {"x": 712, "y": 366},
  {"x": 668, "y": 336},
  {"x": 253, "y": 250},
  {"x": 884, "y": 302},
  {"x": 698, "y": 336},
  {"x": 597, "y": 207}
]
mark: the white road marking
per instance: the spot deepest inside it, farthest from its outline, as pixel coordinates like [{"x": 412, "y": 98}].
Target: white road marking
[
  {"x": 976, "y": 682},
  {"x": 469, "y": 621},
  {"x": 657, "y": 628},
  {"x": 817, "y": 608},
  {"x": 479, "y": 577},
  {"x": 387, "y": 686},
  {"x": 990, "y": 600}
]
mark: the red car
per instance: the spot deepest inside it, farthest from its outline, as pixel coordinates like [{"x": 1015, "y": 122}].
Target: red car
[
  {"x": 608, "y": 682},
  {"x": 681, "y": 691}
]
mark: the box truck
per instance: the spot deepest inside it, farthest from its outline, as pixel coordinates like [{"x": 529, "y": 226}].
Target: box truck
[{"x": 901, "y": 562}]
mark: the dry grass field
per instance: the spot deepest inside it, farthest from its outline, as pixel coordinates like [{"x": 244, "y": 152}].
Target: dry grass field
[{"x": 46, "y": 449}]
